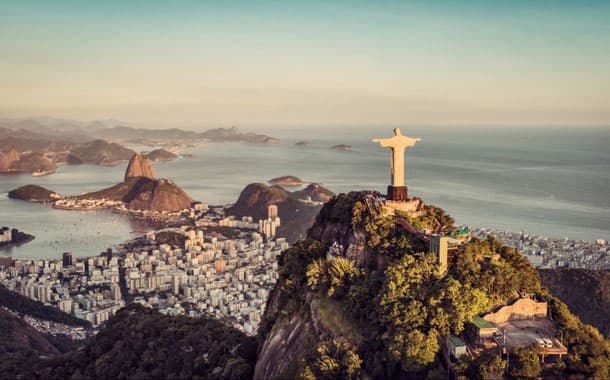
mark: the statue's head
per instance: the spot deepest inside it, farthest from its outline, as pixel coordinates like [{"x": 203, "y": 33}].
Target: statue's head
[{"x": 397, "y": 132}]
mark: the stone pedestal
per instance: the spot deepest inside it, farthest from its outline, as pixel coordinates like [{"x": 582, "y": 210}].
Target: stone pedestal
[{"x": 397, "y": 193}]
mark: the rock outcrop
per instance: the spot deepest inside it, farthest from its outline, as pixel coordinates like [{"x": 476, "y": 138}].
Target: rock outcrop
[
  {"x": 159, "y": 195},
  {"x": 139, "y": 166},
  {"x": 141, "y": 193}
]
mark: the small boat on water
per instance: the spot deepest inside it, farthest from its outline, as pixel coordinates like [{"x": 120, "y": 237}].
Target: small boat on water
[{"x": 42, "y": 173}]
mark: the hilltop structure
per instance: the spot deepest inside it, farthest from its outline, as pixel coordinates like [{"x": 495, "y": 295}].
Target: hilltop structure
[{"x": 397, "y": 191}]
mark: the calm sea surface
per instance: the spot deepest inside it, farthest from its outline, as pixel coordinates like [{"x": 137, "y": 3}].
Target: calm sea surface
[{"x": 545, "y": 181}]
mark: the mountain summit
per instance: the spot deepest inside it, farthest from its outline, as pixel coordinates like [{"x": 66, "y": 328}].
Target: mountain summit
[{"x": 139, "y": 166}]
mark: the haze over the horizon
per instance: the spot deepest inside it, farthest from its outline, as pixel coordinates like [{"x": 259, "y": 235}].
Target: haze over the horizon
[{"x": 198, "y": 64}]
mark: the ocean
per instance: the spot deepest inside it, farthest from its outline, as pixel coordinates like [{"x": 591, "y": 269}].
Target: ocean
[{"x": 543, "y": 181}]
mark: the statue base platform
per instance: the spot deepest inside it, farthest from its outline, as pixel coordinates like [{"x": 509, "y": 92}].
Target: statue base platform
[{"x": 397, "y": 193}]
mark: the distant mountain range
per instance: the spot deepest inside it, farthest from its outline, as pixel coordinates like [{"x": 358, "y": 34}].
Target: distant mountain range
[{"x": 54, "y": 130}]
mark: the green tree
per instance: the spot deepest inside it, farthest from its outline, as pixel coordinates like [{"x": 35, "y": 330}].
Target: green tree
[
  {"x": 525, "y": 362},
  {"x": 334, "y": 276}
]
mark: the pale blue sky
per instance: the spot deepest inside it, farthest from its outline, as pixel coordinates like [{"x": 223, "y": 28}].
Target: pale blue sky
[{"x": 178, "y": 63}]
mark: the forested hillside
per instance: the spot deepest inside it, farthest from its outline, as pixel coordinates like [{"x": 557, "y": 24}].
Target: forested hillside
[
  {"x": 586, "y": 292},
  {"x": 140, "y": 343}
]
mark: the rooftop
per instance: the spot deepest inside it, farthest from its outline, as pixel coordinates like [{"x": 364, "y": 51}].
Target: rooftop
[
  {"x": 482, "y": 324},
  {"x": 456, "y": 341}
]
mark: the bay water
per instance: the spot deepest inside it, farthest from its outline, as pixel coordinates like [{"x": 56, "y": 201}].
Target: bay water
[{"x": 545, "y": 181}]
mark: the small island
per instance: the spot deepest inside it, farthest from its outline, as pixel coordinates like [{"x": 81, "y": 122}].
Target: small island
[
  {"x": 342, "y": 147},
  {"x": 10, "y": 237},
  {"x": 303, "y": 143},
  {"x": 34, "y": 193},
  {"x": 158, "y": 155},
  {"x": 288, "y": 181}
]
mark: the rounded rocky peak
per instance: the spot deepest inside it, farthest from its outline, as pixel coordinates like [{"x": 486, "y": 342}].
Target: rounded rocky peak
[{"x": 140, "y": 166}]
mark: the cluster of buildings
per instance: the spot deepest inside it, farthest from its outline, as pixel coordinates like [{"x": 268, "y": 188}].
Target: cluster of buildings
[
  {"x": 545, "y": 252},
  {"x": 245, "y": 222},
  {"x": 120, "y": 207},
  {"x": 269, "y": 226},
  {"x": 228, "y": 279},
  {"x": 86, "y": 204},
  {"x": 193, "y": 269},
  {"x": 6, "y": 235},
  {"x": 87, "y": 288}
]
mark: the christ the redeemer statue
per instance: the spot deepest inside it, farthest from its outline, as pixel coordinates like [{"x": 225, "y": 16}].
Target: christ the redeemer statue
[{"x": 397, "y": 191}]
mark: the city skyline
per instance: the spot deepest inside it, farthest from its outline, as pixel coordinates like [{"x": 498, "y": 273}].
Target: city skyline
[{"x": 191, "y": 64}]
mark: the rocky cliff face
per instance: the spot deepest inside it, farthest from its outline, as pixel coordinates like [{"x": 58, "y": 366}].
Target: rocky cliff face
[
  {"x": 284, "y": 343},
  {"x": 139, "y": 166},
  {"x": 294, "y": 319}
]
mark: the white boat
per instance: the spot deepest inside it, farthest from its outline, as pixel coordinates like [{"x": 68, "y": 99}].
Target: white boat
[{"x": 42, "y": 173}]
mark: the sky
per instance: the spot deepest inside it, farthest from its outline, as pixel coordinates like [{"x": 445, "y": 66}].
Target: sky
[{"x": 328, "y": 63}]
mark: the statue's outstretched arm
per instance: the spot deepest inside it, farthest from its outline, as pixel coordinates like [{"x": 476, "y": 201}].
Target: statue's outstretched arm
[{"x": 384, "y": 142}]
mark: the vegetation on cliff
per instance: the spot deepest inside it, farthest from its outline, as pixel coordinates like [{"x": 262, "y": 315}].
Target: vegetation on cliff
[
  {"x": 142, "y": 343},
  {"x": 384, "y": 317},
  {"x": 20, "y": 345},
  {"x": 590, "y": 300}
]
